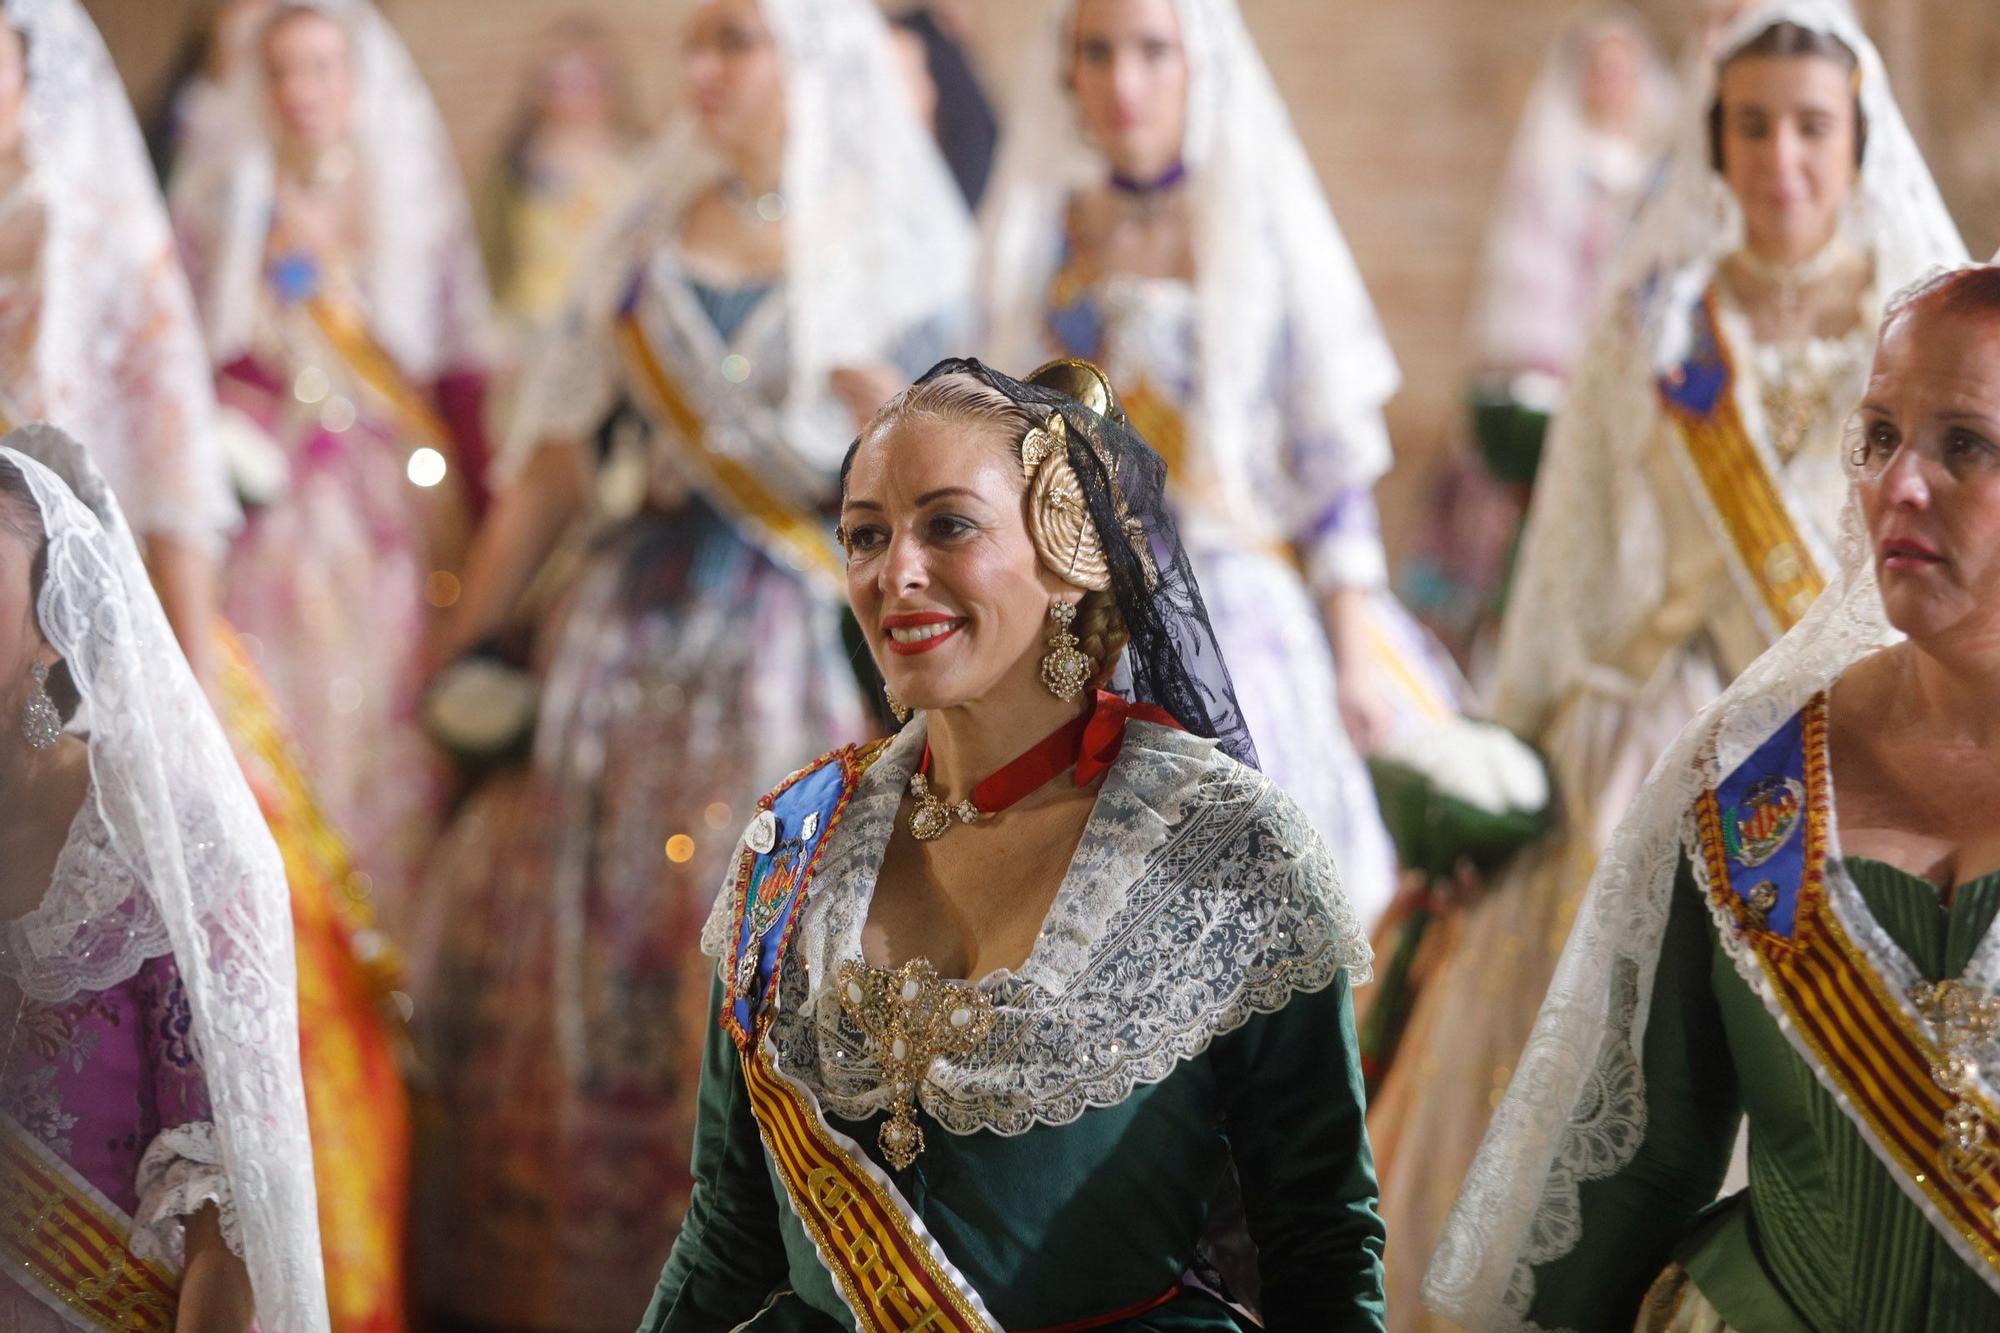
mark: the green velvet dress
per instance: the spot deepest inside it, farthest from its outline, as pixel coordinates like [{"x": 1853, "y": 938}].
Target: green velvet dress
[
  {"x": 1824, "y": 1238},
  {"x": 1065, "y": 1217}
]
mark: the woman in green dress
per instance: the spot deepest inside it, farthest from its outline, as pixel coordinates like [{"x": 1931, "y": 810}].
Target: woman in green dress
[
  {"x": 1160, "y": 950},
  {"x": 1793, "y": 928}
]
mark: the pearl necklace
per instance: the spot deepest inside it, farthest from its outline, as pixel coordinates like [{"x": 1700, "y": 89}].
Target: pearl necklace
[{"x": 1789, "y": 283}]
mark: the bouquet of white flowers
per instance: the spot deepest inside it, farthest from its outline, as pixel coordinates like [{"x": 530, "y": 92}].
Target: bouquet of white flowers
[
  {"x": 481, "y": 709},
  {"x": 1459, "y": 798}
]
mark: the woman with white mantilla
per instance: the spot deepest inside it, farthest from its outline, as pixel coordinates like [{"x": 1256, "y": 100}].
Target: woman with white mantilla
[
  {"x": 157, "y": 1162},
  {"x": 331, "y": 251},
  {"x": 1793, "y": 928},
  {"x": 97, "y": 327},
  {"x": 1154, "y": 211},
  {"x": 1683, "y": 518},
  {"x": 796, "y": 236}
]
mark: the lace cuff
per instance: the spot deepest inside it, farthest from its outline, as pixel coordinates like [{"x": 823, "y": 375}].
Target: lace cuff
[
  {"x": 1343, "y": 546},
  {"x": 179, "y": 1174}
]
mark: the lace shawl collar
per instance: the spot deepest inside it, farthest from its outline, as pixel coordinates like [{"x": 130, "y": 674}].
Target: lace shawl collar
[
  {"x": 1198, "y": 896},
  {"x": 94, "y": 928}
]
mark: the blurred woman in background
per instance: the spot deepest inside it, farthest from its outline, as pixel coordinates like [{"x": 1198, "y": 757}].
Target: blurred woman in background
[
  {"x": 796, "y": 250},
  {"x": 1683, "y": 518},
  {"x": 1588, "y": 142},
  {"x": 570, "y": 155},
  {"x": 332, "y": 257},
  {"x": 1154, "y": 212}
]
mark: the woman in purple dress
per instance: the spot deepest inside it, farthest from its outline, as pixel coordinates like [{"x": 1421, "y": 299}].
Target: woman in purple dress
[{"x": 154, "y": 1160}]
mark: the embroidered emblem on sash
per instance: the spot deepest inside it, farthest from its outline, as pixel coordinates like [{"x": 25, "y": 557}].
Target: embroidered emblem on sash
[
  {"x": 771, "y": 890},
  {"x": 1750, "y": 823},
  {"x": 782, "y": 846},
  {"x": 1757, "y": 829},
  {"x": 1769, "y": 554}
]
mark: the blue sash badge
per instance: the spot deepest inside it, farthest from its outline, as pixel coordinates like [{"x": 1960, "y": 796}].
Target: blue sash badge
[
  {"x": 1698, "y": 383},
  {"x": 1762, "y": 806},
  {"x": 782, "y": 844}
]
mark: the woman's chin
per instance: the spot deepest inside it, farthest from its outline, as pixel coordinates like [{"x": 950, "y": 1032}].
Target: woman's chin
[{"x": 1917, "y": 613}]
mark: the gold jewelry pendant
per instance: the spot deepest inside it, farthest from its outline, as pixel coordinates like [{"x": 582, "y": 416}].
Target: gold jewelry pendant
[
  {"x": 931, "y": 819},
  {"x": 911, "y": 1019}
]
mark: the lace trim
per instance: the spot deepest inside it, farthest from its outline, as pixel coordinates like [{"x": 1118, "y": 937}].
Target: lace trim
[
  {"x": 180, "y": 1174},
  {"x": 1199, "y": 896},
  {"x": 93, "y": 929}
]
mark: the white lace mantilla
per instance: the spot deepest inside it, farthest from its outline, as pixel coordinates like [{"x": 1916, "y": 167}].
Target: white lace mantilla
[{"x": 1198, "y": 897}]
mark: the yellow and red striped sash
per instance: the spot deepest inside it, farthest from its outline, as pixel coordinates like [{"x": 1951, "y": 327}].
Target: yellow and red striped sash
[
  {"x": 74, "y": 1244},
  {"x": 347, "y": 1041},
  {"x": 350, "y": 340},
  {"x": 888, "y": 1267},
  {"x": 446, "y": 506},
  {"x": 1869, "y": 1044},
  {"x": 795, "y": 536},
  {"x": 1764, "y": 542}
]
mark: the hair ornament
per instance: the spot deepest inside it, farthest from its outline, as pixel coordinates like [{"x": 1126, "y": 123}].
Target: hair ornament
[
  {"x": 1043, "y": 442},
  {"x": 1059, "y": 520}
]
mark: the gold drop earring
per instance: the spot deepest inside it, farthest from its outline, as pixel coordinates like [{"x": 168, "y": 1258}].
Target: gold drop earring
[
  {"x": 896, "y": 707},
  {"x": 1066, "y": 669}
]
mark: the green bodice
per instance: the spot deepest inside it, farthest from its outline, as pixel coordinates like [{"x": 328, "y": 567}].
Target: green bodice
[
  {"x": 1074, "y": 1221},
  {"x": 1824, "y": 1238}
]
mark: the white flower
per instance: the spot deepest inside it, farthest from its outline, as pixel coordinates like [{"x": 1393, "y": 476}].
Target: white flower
[{"x": 1480, "y": 763}]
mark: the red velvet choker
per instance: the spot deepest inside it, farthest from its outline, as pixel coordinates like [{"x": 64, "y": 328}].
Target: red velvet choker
[{"x": 1089, "y": 742}]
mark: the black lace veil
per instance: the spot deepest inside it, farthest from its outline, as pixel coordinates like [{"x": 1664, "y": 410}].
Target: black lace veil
[{"x": 1173, "y": 659}]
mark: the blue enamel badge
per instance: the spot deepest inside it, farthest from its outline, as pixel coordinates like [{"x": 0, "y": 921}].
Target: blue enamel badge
[{"x": 1698, "y": 383}]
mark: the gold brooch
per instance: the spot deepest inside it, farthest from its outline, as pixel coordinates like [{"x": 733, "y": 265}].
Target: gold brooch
[
  {"x": 912, "y": 1019},
  {"x": 1965, "y": 1023}
]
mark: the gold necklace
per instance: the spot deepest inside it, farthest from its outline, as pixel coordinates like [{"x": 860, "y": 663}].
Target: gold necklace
[
  {"x": 932, "y": 818},
  {"x": 912, "y": 1019}
]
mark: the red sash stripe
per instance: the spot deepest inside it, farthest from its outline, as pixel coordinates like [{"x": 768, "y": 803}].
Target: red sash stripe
[
  {"x": 1863, "y": 1040},
  {"x": 63, "y": 1238},
  {"x": 885, "y": 1272}
]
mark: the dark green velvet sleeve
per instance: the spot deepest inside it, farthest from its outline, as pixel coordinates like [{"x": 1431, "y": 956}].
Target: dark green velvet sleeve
[
  {"x": 1633, "y": 1220},
  {"x": 1296, "y": 1119},
  {"x": 730, "y": 1256}
]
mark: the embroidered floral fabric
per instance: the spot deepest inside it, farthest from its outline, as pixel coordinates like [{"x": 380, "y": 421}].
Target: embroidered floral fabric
[
  {"x": 71, "y": 1081},
  {"x": 1198, "y": 897}
]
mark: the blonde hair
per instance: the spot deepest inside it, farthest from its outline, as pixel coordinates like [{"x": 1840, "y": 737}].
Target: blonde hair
[{"x": 961, "y": 399}]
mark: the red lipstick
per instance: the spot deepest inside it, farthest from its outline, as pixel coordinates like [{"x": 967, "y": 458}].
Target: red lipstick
[{"x": 922, "y": 631}]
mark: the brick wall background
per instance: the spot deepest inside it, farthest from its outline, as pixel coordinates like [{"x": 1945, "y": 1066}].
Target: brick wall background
[{"x": 1407, "y": 109}]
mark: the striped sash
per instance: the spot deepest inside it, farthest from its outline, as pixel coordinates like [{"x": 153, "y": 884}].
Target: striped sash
[
  {"x": 1907, "y": 1060},
  {"x": 887, "y": 1266},
  {"x": 795, "y": 537},
  {"x": 375, "y": 368},
  {"x": 446, "y": 506},
  {"x": 1766, "y": 549},
  {"x": 72, "y": 1242}
]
